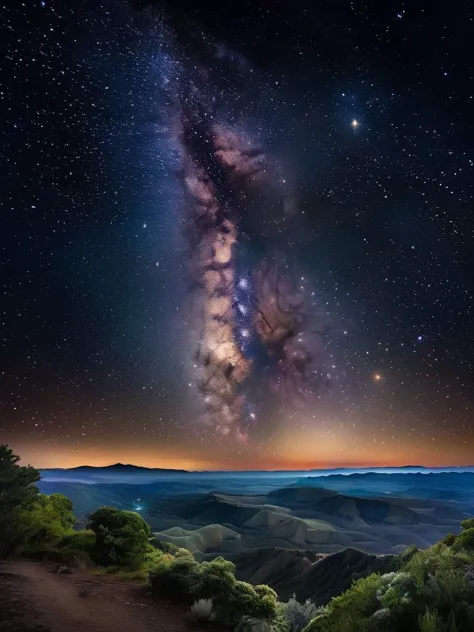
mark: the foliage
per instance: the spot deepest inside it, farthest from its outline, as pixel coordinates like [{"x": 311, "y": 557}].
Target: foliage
[
  {"x": 433, "y": 592},
  {"x": 121, "y": 538},
  {"x": 449, "y": 539},
  {"x": 430, "y": 621},
  {"x": 396, "y": 589},
  {"x": 252, "y": 624},
  {"x": 166, "y": 547},
  {"x": 47, "y": 519},
  {"x": 201, "y": 610},
  {"x": 79, "y": 540},
  {"x": 17, "y": 492},
  {"x": 297, "y": 614},
  {"x": 465, "y": 540},
  {"x": 468, "y": 523},
  {"x": 407, "y": 554},
  {"x": 183, "y": 578}
]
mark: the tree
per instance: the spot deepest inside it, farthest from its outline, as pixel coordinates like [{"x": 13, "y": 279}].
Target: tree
[
  {"x": 122, "y": 537},
  {"x": 17, "y": 492},
  {"x": 48, "y": 518}
]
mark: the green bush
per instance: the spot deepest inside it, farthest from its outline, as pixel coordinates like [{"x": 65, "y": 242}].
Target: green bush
[
  {"x": 464, "y": 541},
  {"x": 449, "y": 539},
  {"x": 79, "y": 540},
  {"x": 396, "y": 589},
  {"x": 185, "y": 579},
  {"x": 121, "y": 538},
  {"x": 468, "y": 523},
  {"x": 351, "y": 611},
  {"x": 408, "y": 553},
  {"x": 431, "y": 621},
  {"x": 178, "y": 579},
  {"x": 47, "y": 519}
]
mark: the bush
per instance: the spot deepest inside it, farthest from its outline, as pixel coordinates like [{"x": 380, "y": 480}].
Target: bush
[
  {"x": 251, "y": 624},
  {"x": 408, "y": 553},
  {"x": 121, "y": 538},
  {"x": 351, "y": 611},
  {"x": 48, "y": 519},
  {"x": 465, "y": 540},
  {"x": 431, "y": 621},
  {"x": 396, "y": 589},
  {"x": 79, "y": 541},
  {"x": 449, "y": 539},
  {"x": 177, "y": 580},
  {"x": 166, "y": 547},
  {"x": 17, "y": 493},
  {"x": 468, "y": 523},
  {"x": 183, "y": 578},
  {"x": 201, "y": 610},
  {"x": 298, "y": 615}
]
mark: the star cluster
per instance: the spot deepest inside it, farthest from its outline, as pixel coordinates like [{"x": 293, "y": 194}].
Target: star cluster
[{"x": 365, "y": 110}]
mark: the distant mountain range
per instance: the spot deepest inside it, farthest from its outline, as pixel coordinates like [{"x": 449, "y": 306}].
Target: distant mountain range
[
  {"x": 128, "y": 468},
  {"x": 116, "y": 468}
]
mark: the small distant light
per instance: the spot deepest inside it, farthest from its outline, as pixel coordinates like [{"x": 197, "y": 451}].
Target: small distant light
[
  {"x": 355, "y": 123},
  {"x": 243, "y": 283}
]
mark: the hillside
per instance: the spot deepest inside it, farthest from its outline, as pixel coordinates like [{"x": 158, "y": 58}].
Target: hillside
[{"x": 306, "y": 574}]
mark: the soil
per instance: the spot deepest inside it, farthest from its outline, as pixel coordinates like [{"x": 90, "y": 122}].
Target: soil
[{"x": 34, "y": 598}]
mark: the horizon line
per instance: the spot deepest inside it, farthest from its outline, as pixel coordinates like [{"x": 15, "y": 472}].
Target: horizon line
[{"x": 303, "y": 469}]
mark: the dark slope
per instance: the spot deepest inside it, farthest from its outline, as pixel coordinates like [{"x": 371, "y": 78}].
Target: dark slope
[{"x": 307, "y": 574}]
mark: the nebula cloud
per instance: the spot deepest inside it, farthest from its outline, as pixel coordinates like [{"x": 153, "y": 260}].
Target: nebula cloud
[{"x": 251, "y": 328}]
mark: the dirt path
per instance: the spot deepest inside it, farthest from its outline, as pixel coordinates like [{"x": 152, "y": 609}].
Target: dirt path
[{"x": 34, "y": 598}]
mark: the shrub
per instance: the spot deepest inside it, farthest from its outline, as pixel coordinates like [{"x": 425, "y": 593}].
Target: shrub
[
  {"x": 121, "y": 538},
  {"x": 396, "y": 589},
  {"x": 349, "y": 612},
  {"x": 468, "y": 523},
  {"x": 201, "y": 610},
  {"x": 431, "y": 621},
  {"x": 449, "y": 539},
  {"x": 79, "y": 541},
  {"x": 407, "y": 554},
  {"x": 465, "y": 540},
  {"x": 183, "y": 578},
  {"x": 47, "y": 519},
  {"x": 252, "y": 624},
  {"x": 166, "y": 547},
  {"x": 178, "y": 579},
  {"x": 298, "y": 615}
]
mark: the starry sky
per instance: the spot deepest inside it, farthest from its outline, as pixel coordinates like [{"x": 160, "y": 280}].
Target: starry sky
[{"x": 368, "y": 108}]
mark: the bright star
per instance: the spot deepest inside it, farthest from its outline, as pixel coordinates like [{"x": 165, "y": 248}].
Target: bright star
[{"x": 355, "y": 123}]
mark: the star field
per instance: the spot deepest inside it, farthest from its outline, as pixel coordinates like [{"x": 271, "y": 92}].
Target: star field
[{"x": 368, "y": 113}]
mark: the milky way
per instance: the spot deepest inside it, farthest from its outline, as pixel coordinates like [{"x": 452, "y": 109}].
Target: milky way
[{"x": 254, "y": 331}]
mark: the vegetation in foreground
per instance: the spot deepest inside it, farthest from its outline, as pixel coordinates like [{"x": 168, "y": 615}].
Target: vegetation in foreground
[{"x": 433, "y": 590}]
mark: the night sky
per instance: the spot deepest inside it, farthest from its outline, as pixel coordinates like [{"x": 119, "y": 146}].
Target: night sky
[{"x": 366, "y": 112}]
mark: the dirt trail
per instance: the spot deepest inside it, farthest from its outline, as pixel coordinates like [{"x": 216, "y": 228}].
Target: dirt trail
[{"x": 34, "y": 598}]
